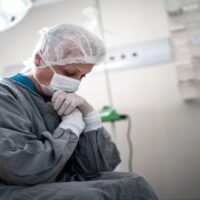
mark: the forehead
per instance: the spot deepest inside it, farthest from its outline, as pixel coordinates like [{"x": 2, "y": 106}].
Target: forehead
[{"x": 79, "y": 67}]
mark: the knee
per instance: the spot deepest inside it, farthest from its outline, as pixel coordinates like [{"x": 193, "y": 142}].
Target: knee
[{"x": 119, "y": 175}]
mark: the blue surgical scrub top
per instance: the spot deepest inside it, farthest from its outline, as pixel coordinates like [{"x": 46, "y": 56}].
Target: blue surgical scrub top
[{"x": 25, "y": 80}]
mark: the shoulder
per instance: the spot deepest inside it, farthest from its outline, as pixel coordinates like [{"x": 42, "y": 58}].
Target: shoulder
[{"x": 8, "y": 89}]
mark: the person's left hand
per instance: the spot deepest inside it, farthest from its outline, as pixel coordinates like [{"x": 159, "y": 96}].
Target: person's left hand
[{"x": 64, "y": 103}]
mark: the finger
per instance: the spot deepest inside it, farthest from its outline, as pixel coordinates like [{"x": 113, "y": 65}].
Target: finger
[
  {"x": 73, "y": 104},
  {"x": 66, "y": 104},
  {"x": 58, "y": 103},
  {"x": 55, "y": 95},
  {"x": 69, "y": 111},
  {"x": 70, "y": 108}
]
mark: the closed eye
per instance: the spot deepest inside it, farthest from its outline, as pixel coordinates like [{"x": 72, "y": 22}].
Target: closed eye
[
  {"x": 83, "y": 76},
  {"x": 69, "y": 74}
]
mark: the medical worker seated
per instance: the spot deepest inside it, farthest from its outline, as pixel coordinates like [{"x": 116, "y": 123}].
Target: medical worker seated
[{"x": 52, "y": 142}]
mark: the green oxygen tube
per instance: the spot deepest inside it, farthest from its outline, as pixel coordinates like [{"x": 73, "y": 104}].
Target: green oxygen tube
[{"x": 108, "y": 113}]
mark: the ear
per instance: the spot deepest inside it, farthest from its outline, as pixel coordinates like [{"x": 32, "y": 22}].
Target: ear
[{"x": 37, "y": 59}]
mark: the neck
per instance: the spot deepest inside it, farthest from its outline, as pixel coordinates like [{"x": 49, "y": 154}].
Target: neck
[{"x": 38, "y": 87}]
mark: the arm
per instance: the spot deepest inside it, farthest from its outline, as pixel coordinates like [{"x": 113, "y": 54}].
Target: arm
[
  {"x": 26, "y": 159},
  {"x": 96, "y": 152}
]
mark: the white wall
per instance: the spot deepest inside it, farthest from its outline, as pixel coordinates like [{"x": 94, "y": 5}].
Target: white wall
[
  {"x": 17, "y": 43},
  {"x": 165, "y": 130}
]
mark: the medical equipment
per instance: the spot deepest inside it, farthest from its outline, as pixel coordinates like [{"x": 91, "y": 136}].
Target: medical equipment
[{"x": 109, "y": 114}]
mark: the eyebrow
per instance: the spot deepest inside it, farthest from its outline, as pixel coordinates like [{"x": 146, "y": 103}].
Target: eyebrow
[
  {"x": 78, "y": 70},
  {"x": 75, "y": 70}
]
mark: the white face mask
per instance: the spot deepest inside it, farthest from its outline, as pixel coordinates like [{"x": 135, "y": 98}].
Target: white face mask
[{"x": 59, "y": 82}]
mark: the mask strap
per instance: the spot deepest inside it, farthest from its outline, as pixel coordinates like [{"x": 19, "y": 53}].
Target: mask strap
[{"x": 34, "y": 75}]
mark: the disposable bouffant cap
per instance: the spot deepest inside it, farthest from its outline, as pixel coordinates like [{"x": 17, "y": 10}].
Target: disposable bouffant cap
[{"x": 66, "y": 43}]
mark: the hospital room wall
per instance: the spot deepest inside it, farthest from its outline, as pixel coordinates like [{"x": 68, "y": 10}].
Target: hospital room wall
[{"x": 165, "y": 129}]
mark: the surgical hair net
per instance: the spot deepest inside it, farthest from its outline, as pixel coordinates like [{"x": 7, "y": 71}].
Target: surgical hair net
[{"x": 66, "y": 44}]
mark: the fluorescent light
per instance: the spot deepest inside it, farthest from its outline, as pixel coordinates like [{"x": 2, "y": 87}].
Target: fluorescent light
[
  {"x": 2, "y": 23},
  {"x": 12, "y": 12},
  {"x": 15, "y": 6}
]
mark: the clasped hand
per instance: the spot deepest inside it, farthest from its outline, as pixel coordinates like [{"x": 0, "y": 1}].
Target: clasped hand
[{"x": 64, "y": 103}]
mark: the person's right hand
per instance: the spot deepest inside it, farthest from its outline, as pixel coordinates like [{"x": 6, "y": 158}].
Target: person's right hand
[{"x": 73, "y": 121}]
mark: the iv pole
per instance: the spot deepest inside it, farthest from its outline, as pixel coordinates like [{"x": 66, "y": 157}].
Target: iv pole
[
  {"x": 109, "y": 92},
  {"x": 103, "y": 38},
  {"x": 114, "y": 116}
]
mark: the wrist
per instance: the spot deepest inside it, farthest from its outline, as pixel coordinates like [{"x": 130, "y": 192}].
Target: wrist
[
  {"x": 74, "y": 122},
  {"x": 85, "y": 108},
  {"x": 92, "y": 121}
]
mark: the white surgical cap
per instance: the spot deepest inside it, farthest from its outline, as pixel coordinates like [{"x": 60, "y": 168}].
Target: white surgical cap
[{"x": 66, "y": 44}]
